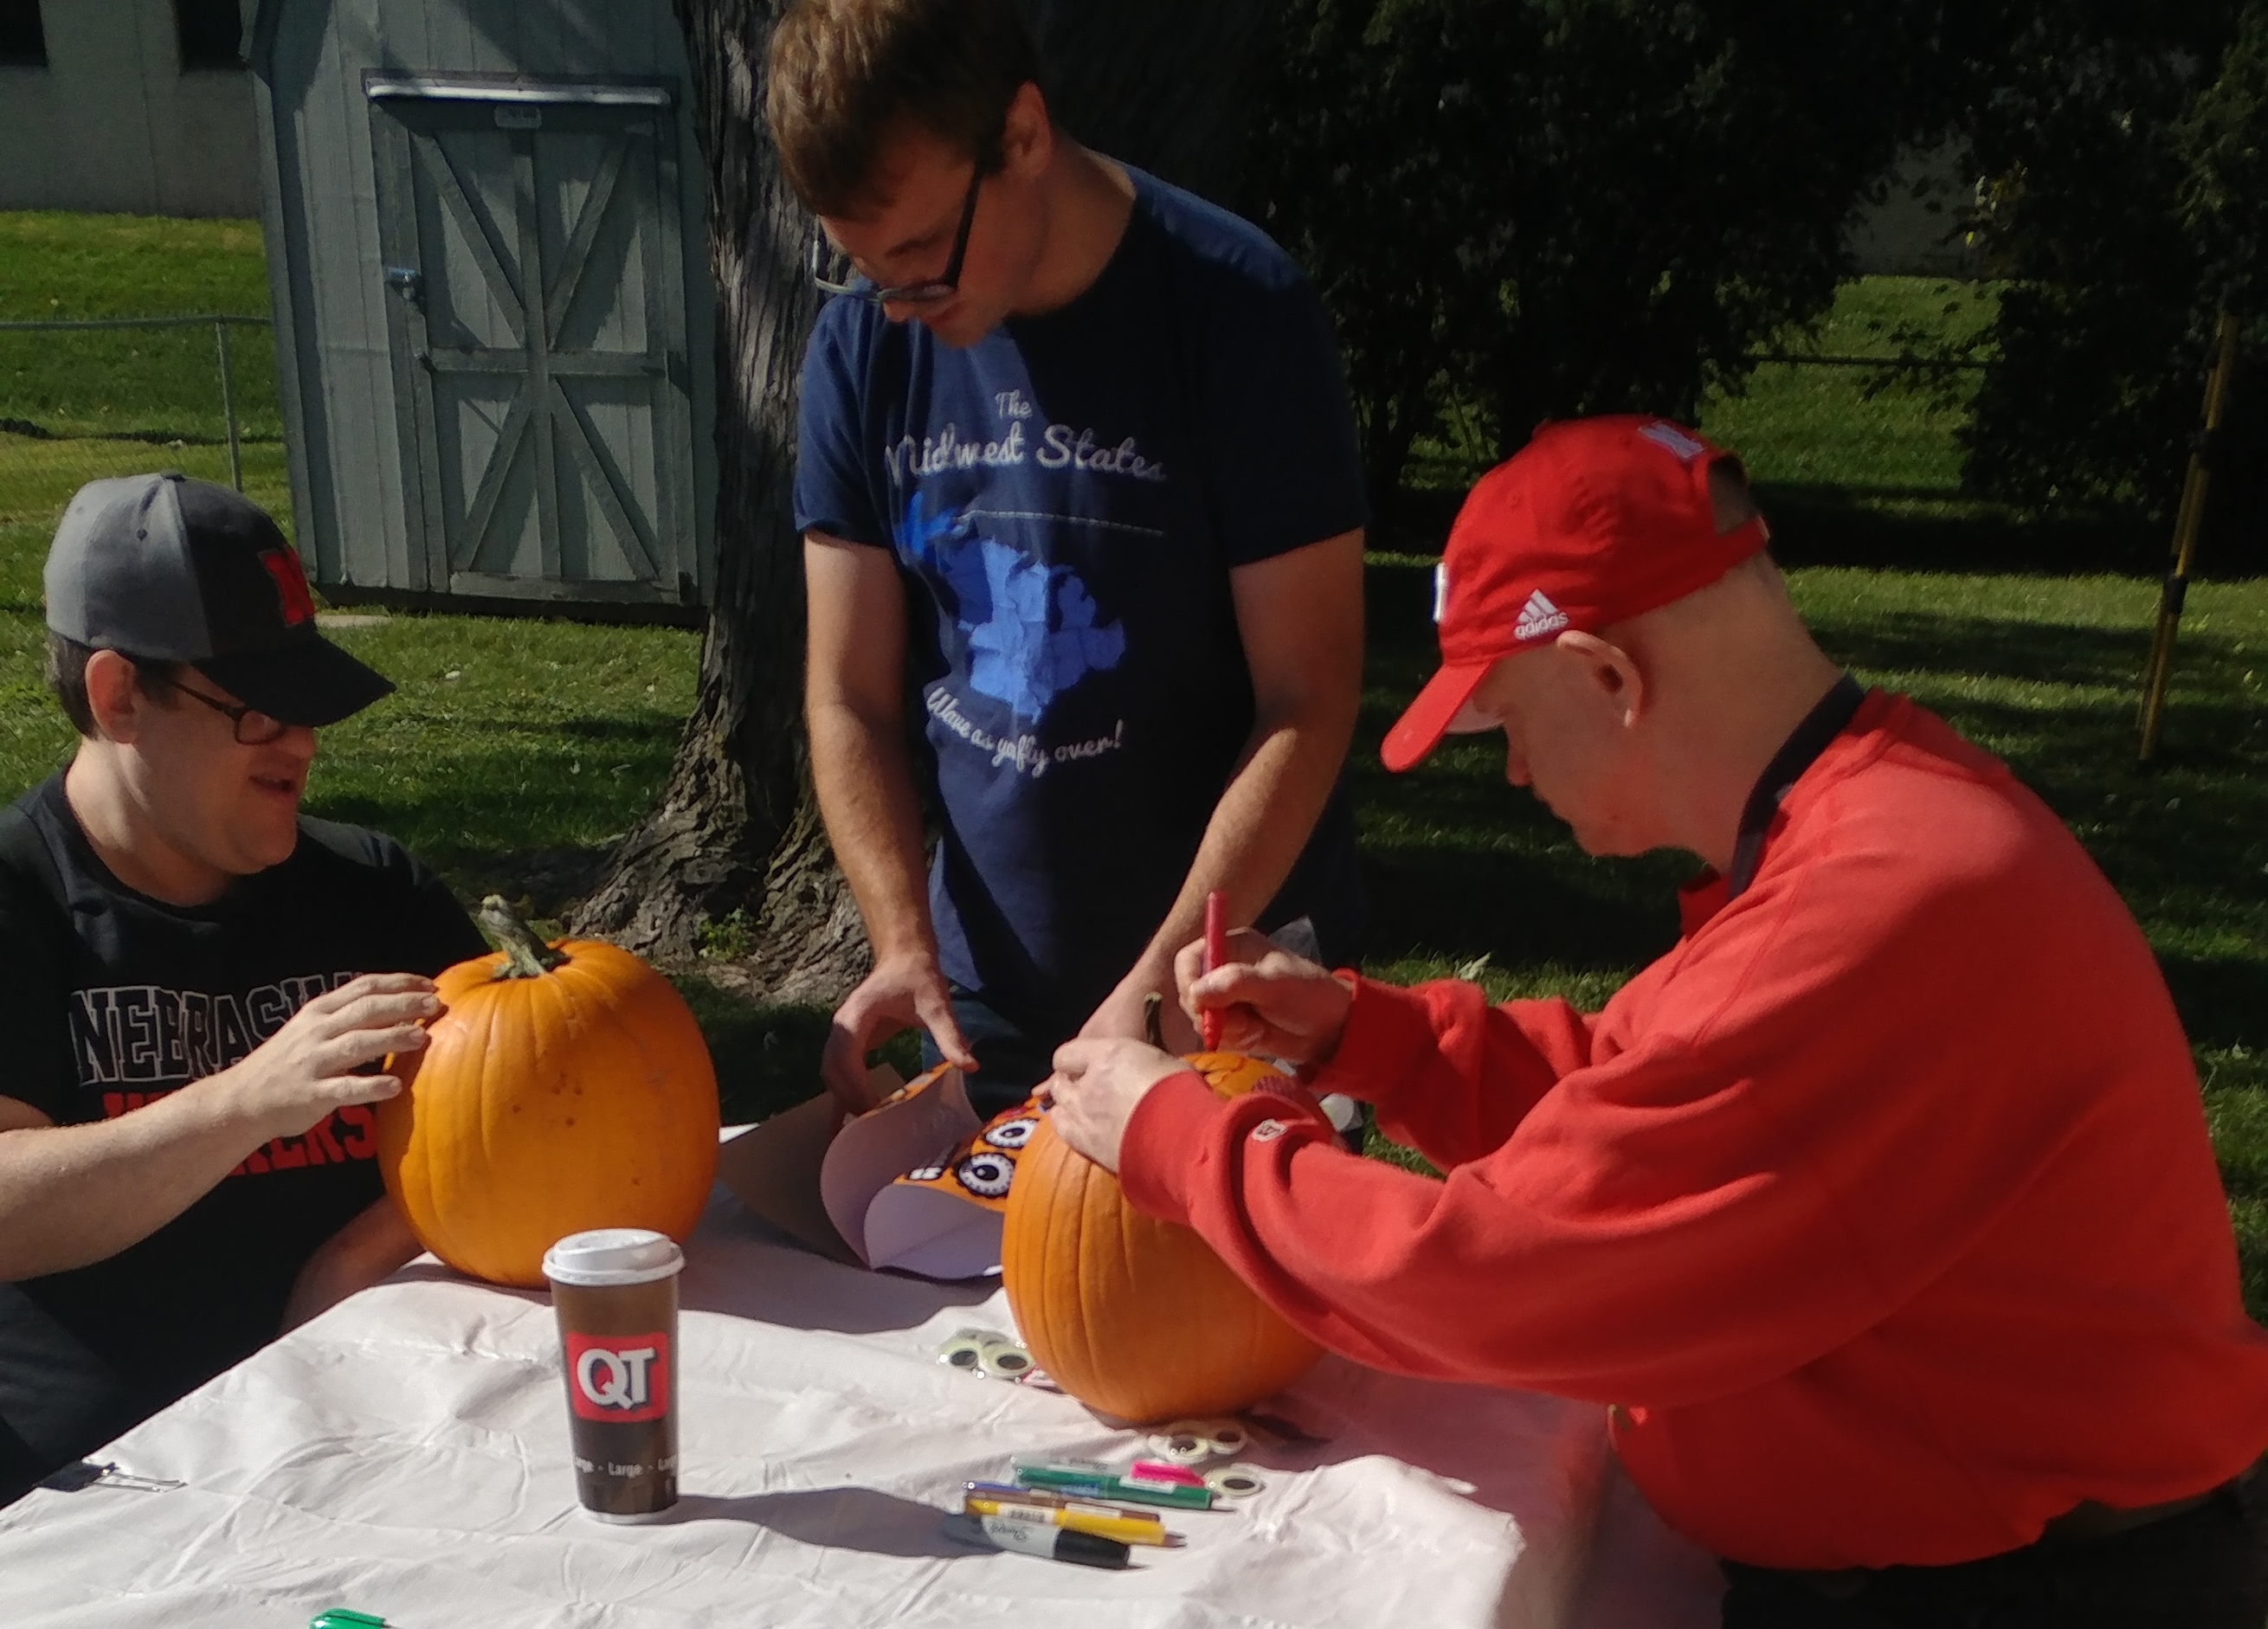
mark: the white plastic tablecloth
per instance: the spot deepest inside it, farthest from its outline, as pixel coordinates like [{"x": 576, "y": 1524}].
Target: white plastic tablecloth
[{"x": 406, "y": 1455}]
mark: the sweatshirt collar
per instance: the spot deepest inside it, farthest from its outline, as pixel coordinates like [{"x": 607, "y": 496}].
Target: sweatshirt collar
[
  {"x": 1708, "y": 890},
  {"x": 1823, "y": 724}
]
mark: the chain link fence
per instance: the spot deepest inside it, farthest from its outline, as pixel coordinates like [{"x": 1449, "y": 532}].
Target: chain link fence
[{"x": 86, "y": 398}]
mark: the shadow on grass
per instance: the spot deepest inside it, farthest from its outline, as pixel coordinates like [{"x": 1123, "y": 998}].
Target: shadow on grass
[
  {"x": 1981, "y": 647},
  {"x": 1839, "y": 526},
  {"x": 1899, "y": 527},
  {"x": 767, "y": 1054}
]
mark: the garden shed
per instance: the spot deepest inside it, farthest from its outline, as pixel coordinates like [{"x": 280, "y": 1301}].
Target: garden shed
[{"x": 486, "y": 251}]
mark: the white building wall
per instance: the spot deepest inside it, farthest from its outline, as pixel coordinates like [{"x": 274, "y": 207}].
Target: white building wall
[
  {"x": 1920, "y": 227},
  {"x": 113, "y": 124}
]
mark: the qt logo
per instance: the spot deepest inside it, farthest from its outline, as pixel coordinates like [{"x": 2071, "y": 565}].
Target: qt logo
[{"x": 618, "y": 1378}]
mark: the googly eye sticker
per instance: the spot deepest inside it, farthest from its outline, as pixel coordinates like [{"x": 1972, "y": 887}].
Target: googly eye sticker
[
  {"x": 1011, "y": 1133},
  {"x": 1004, "y": 1359},
  {"x": 1180, "y": 1448},
  {"x": 965, "y": 1351},
  {"x": 1232, "y": 1486},
  {"x": 1193, "y": 1442},
  {"x": 986, "y": 1176}
]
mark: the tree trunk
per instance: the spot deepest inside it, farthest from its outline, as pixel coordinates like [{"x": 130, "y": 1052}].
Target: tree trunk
[{"x": 735, "y": 842}]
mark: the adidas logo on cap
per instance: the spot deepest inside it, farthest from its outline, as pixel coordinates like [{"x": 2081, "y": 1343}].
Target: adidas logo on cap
[{"x": 1538, "y": 617}]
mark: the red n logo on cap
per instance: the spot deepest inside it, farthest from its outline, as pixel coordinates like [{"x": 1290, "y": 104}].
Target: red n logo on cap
[{"x": 290, "y": 585}]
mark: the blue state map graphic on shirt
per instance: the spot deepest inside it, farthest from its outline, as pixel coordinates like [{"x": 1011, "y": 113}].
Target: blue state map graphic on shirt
[{"x": 1031, "y": 627}]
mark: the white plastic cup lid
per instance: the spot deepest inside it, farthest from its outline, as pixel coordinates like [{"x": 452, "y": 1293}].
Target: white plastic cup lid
[{"x": 612, "y": 1255}]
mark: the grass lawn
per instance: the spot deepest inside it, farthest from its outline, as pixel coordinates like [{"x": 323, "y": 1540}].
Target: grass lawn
[{"x": 513, "y": 740}]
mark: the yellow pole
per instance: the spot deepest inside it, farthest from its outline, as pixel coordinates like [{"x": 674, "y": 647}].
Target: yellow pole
[{"x": 2156, "y": 676}]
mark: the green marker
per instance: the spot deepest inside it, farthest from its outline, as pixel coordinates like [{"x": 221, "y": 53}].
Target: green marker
[
  {"x": 346, "y": 1618},
  {"x": 1086, "y": 1476}
]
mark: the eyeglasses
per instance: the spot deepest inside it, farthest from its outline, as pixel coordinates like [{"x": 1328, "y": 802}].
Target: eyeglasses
[
  {"x": 254, "y": 728},
  {"x": 831, "y": 274}
]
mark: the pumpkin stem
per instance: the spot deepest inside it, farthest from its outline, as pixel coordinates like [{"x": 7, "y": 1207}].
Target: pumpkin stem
[{"x": 526, "y": 956}]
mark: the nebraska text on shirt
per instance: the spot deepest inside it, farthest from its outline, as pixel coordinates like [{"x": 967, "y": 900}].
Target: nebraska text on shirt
[{"x": 146, "y": 1033}]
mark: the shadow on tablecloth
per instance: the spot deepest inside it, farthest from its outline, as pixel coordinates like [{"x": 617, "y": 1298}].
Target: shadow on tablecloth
[{"x": 842, "y": 1518}]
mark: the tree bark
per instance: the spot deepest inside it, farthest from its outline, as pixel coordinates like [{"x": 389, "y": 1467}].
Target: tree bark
[{"x": 735, "y": 838}]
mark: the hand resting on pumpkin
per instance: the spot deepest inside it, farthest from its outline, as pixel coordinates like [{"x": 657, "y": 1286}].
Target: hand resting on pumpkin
[
  {"x": 71, "y": 1195},
  {"x": 1272, "y": 1003},
  {"x": 1095, "y": 1087}
]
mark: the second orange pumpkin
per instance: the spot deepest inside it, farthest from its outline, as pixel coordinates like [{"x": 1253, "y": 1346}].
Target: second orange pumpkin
[{"x": 1138, "y": 1319}]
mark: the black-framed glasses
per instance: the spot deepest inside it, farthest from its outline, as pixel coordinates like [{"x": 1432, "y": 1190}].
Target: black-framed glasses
[
  {"x": 831, "y": 272},
  {"x": 253, "y": 727}
]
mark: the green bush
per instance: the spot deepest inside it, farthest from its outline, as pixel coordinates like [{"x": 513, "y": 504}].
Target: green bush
[
  {"x": 1552, "y": 207},
  {"x": 2126, "y": 201}
]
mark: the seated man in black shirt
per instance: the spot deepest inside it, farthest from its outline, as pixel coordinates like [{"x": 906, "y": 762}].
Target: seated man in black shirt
[{"x": 194, "y": 978}]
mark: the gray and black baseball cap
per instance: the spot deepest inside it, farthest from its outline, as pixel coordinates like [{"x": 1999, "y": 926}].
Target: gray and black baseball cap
[{"x": 173, "y": 570}]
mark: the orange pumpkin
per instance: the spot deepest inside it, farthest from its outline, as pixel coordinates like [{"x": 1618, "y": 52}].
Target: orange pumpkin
[
  {"x": 565, "y": 1089},
  {"x": 1138, "y": 1318}
]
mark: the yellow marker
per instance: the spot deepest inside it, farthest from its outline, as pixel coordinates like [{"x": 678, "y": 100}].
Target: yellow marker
[{"x": 1101, "y": 1523}]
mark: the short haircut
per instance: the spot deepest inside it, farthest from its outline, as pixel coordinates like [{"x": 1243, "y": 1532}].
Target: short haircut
[
  {"x": 843, "y": 74},
  {"x": 66, "y": 661},
  {"x": 1736, "y": 506}
]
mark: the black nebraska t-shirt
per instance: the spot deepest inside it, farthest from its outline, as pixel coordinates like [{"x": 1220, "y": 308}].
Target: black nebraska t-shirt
[{"x": 150, "y": 997}]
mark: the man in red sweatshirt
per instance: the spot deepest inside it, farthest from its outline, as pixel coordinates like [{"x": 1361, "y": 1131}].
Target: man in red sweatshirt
[{"x": 1879, "y": 1212}]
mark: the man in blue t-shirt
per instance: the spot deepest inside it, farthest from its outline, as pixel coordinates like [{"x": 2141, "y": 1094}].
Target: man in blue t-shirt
[{"x": 1078, "y": 481}]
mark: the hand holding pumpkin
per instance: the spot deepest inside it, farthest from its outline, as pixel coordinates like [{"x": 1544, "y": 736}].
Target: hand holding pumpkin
[
  {"x": 1095, "y": 1088},
  {"x": 1272, "y": 1003},
  {"x": 306, "y": 1070}
]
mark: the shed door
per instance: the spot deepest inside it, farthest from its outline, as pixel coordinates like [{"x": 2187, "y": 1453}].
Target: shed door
[{"x": 531, "y": 243}]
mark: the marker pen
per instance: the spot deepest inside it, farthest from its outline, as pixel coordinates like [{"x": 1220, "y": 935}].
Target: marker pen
[
  {"x": 1053, "y": 1544},
  {"x": 1216, "y": 952},
  {"x": 1077, "y": 1518},
  {"x": 1085, "y": 1477},
  {"x": 1059, "y": 1498},
  {"x": 1158, "y": 1470}
]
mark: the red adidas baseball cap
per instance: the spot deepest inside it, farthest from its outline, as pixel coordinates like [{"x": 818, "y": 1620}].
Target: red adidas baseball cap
[{"x": 1594, "y": 521}]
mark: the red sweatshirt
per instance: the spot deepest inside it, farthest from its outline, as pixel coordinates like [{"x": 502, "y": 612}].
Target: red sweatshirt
[{"x": 1881, "y": 1209}]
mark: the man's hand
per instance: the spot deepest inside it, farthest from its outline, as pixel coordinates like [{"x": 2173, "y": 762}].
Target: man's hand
[
  {"x": 900, "y": 993},
  {"x": 1122, "y": 1016},
  {"x": 1271, "y": 1002},
  {"x": 1094, "y": 1089},
  {"x": 299, "y": 1075}
]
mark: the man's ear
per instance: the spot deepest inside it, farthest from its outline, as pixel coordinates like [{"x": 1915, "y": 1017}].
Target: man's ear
[
  {"x": 115, "y": 696},
  {"x": 1027, "y": 135},
  {"x": 1609, "y": 671}
]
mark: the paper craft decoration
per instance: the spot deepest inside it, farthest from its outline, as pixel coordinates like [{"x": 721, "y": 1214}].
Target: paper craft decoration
[
  {"x": 922, "y": 1185},
  {"x": 943, "y": 1220},
  {"x": 773, "y": 1169},
  {"x": 916, "y": 1184}
]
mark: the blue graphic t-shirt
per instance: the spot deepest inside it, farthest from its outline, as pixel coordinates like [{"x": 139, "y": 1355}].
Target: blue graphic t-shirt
[{"x": 1068, "y": 496}]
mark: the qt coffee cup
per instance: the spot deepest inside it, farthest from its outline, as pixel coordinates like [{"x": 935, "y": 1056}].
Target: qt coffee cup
[{"x": 615, "y": 1292}]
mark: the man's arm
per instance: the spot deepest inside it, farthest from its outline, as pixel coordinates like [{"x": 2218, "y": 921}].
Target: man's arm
[
  {"x": 853, "y": 706},
  {"x": 355, "y": 1257},
  {"x": 72, "y": 1194},
  {"x": 1299, "y": 615}
]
